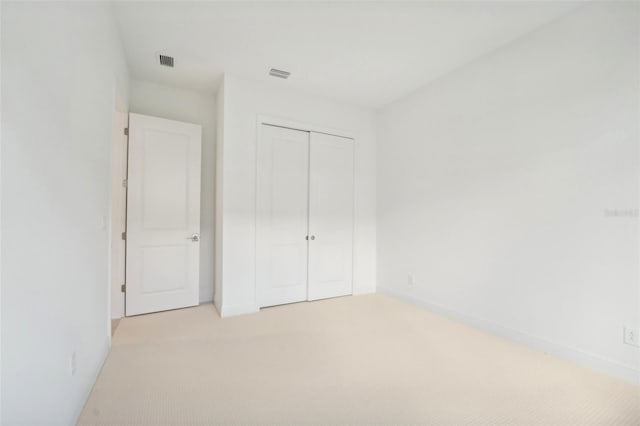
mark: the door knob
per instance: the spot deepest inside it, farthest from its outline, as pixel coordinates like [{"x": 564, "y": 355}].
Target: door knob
[
  {"x": 313, "y": 237},
  {"x": 195, "y": 238}
]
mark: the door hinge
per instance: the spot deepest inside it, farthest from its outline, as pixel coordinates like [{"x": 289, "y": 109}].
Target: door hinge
[
  {"x": 124, "y": 235},
  {"x": 126, "y": 131},
  {"x": 123, "y": 288}
]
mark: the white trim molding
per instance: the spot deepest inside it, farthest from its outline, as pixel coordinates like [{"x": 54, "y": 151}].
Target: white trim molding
[
  {"x": 305, "y": 127},
  {"x": 232, "y": 311},
  {"x": 585, "y": 359}
]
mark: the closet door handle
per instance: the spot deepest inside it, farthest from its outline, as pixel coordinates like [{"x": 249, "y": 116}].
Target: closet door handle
[{"x": 313, "y": 237}]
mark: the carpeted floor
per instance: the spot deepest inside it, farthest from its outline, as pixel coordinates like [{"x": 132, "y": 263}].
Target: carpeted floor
[
  {"x": 114, "y": 325},
  {"x": 349, "y": 361}
]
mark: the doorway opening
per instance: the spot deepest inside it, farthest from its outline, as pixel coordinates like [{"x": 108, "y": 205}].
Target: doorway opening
[{"x": 155, "y": 215}]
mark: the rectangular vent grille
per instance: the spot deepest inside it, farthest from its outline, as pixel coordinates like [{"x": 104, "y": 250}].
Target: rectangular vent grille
[
  {"x": 166, "y": 61},
  {"x": 279, "y": 73}
]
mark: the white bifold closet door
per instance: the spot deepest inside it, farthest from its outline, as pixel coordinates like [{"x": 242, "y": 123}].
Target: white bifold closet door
[
  {"x": 281, "y": 216},
  {"x": 304, "y": 226},
  {"x": 330, "y": 216}
]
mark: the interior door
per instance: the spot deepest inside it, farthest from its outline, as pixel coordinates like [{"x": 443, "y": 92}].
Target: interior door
[
  {"x": 163, "y": 215},
  {"x": 281, "y": 215},
  {"x": 331, "y": 191}
]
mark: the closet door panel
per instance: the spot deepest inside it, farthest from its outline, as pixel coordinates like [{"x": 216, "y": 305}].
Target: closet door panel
[
  {"x": 282, "y": 216},
  {"x": 331, "y": 195}
]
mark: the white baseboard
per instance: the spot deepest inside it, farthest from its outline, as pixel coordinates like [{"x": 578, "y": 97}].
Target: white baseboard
[
  {"x": 94, "y": 379},
  {"x": 585, "y": 359},
  {"x": 218, "y": 304},
  {"x": 360, "y": 292},
  {"x": 231, "y": 311}
]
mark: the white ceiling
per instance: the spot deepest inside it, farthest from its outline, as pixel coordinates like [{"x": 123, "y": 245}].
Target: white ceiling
[{"x": 362, "y": 53}]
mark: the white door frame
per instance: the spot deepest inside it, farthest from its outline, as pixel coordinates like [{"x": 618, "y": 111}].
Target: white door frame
[
  {"x": 297, "y": 125},
  {"x": 117, "y": 210},
  {"x": 305, "y": 127}
]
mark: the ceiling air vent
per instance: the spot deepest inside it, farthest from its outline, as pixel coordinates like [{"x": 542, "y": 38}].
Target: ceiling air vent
[
  {"x": 279, "y": 73},
  {"x": 166, "y": 61}
]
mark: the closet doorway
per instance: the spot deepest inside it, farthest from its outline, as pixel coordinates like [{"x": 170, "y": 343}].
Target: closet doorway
[{"x": 304, "y": 223}]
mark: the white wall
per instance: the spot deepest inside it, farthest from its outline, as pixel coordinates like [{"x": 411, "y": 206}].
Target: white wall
[
  {"x": 199, "y": 108},
  {"x": 243, "y": 101},
  {"x": 61, "y": 65},
  {"x": 497, "y": 185}
]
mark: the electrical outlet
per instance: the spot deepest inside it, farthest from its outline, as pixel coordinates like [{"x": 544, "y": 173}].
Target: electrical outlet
[
  {"x": 73, "y": 363},
  {"x": 631, "y": 336},
  {"x": 412, "y": 279}
]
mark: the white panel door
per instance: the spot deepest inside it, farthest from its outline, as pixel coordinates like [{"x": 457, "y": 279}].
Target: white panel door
[
  {"x": 281, "y": 216},
  {"x": 330, "y": 216},
  {"x": 163, "y": 214}
]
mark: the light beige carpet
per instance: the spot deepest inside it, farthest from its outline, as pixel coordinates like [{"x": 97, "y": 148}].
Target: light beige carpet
[
  {"x": 114, "y": 325},
  {"x": 348, "y": 361}
]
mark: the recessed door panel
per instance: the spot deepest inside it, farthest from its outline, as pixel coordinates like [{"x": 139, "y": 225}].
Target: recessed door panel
[
  {"x": 163, "y": 268},
  {"x": 165, "y": 174}
]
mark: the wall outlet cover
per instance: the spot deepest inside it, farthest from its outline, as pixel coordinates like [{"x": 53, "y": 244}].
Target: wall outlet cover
[
  {"x": 411, "y": 279},
  {"x": 631, "y": 336}
]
